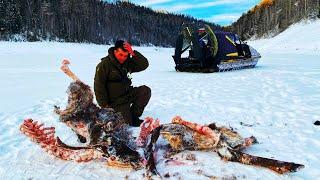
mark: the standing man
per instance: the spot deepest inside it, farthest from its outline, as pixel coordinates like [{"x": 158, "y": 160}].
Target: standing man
[{"x": 112, "y": 82}]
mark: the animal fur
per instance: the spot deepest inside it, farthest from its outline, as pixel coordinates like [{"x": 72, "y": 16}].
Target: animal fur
[
  {"x": 182, "y": 135},
  {"x": 109, "y": 137}
]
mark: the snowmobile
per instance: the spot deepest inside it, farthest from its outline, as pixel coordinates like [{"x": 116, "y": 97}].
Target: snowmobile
[{"x": 203, "y": 50}]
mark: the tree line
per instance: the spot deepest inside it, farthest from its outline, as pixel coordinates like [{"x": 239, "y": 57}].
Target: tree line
[
  {"x": 93, "y": 21},
  {"x": 270, "y": 17}
]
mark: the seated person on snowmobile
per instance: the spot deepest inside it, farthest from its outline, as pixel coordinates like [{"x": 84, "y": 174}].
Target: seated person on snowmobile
[
  {"x": 112, "y": 82},
  {"x": 205, "y": 45}
]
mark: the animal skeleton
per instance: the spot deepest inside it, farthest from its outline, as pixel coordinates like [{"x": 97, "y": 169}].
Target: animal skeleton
[{"x": 110, "y": 138}]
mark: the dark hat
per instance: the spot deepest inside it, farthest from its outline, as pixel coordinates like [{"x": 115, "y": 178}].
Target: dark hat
[{"x": 119, "y": 44}]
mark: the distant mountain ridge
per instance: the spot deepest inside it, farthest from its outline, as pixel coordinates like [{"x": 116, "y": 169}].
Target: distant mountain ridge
[
  {"x": 271, "y": 17},
  {"x": 92, "y": 21}
]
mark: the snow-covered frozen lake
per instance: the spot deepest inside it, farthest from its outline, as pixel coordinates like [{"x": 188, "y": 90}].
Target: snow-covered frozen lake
[{"x": 278, "y": 102}]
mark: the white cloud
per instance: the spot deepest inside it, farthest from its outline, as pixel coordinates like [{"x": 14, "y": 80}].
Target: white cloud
[
  {"x": 182, "y": 7},
  {"x": 224, "y": 18},
  {"x": 223, "y": 11},
  {"x": 154, "y": 2}
]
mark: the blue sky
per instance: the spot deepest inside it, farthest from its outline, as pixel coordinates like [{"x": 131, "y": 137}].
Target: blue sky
[{"x": 222, "y": 12}]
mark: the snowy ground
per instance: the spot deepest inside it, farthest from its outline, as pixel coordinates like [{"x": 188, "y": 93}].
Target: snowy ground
[
  {"x": 277, "y": 102},
  {"x": 301, "y": 38}
]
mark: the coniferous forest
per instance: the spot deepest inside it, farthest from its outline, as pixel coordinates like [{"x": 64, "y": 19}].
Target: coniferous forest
[
  {"x": 270, "y": 17},
  {"x": 103, "y": 22},
  {"x": 93, "y": 21}
]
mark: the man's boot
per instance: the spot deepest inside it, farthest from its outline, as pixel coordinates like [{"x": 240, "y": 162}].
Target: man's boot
[{"x": 136, "y": 122}]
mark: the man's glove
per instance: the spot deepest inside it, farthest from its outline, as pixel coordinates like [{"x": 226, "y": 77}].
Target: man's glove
[{"x": 128, "y": 47}]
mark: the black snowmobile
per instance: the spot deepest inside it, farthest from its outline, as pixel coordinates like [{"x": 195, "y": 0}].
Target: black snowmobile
[{"x": 203, "y": 50}]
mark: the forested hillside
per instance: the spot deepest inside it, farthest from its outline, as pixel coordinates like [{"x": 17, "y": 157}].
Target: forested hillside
[
  {"x": 93, "y": 21},
  {"x": 271, "y": 17}
]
